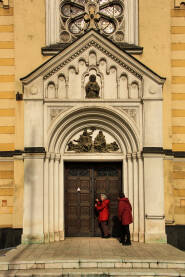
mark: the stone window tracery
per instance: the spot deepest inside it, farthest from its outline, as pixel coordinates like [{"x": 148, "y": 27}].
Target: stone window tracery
[
  {"x": 68, "y": 19},
  {"x": 77, "y": 16}
]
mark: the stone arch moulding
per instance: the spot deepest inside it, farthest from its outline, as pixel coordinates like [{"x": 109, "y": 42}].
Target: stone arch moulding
[
  {"x": 53, "y": 21},
  {"x": 64, "y": 126}
]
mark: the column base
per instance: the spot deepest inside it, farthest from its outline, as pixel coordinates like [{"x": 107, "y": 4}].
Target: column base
[
  {"x": 155, "y": 238},
  {"x": 32, "y": 239},
  {"x": 46, "y": 237},
  {"x": 61, "y": 235},
  {"x": 53, "y": 236},
  {"x": 155, "y": 231},
  {"x": 141, "y": 237},
  {"x": 135, "y": 237},
  {"x": 57, "y": 237}
]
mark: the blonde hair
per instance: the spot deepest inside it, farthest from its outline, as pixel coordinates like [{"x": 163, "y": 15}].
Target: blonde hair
[{"x": 103, "y": 195}]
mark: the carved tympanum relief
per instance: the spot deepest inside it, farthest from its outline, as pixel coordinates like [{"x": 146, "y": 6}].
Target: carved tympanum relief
[
  {"x": 112, "y": 81},
  {"x": 92, "y": 140}
]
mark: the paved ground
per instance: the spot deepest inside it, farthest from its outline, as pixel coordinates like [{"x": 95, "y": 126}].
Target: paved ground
[{"x": 92, "y": 248}]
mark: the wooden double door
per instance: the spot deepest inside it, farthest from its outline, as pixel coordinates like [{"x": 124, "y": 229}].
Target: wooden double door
[{"x": 84, "y": 182}]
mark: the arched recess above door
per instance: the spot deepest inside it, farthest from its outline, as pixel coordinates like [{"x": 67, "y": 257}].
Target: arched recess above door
[{"x": 119, "y": 126}]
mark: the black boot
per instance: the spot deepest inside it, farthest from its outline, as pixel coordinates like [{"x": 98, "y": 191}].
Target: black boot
[{"x": 128, "y": 242}]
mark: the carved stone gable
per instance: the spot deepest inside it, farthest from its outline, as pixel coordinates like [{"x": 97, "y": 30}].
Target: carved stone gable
[{"x": 118, "y": 75}]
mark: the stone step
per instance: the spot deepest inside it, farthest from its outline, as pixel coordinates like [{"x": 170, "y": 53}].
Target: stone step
[
  {"x": 103, "y": 272},
  {"x": 92, "y": 263}
]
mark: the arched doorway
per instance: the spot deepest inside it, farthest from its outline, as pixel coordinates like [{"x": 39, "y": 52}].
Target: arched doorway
[{"x": 123, "y": 131}]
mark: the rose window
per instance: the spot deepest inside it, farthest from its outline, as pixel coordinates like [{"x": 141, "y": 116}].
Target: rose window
[{"x": 78, "y": 16}]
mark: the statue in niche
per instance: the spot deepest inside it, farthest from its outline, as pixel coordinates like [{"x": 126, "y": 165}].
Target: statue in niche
[
  {"x": 100, "y": 142},
  {"x": 92, "y": 88},
  {"x": 85, "y": 143}
]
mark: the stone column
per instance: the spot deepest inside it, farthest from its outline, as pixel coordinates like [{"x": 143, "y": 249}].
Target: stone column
[
  {"x": 136, "y": 200},
  {"x": 56, "y": 198},
  {"x": 51, "y": 198},
  {"x": 130, "y": 185},
  {"x": 61, "y": 199},
  {"x": 46, "y": 198},
  {"x": 125, "y": 177},
  {"x": 141, "y": 200}
]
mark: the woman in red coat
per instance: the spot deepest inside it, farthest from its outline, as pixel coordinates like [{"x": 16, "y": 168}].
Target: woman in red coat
[
  {"x": 125, "y": 217},
  {"x": 103, "y": 209}
]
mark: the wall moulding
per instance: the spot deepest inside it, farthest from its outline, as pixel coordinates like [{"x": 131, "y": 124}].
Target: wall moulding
[
  {"x": 179, "y": 4},
  {"x": 5, "y": 4}
]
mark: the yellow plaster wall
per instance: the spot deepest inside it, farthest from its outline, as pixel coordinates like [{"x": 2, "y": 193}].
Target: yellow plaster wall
[
  {"x": 29, "y": 38},
  {"x": 154, "y": 36},
  {"x": 178, "y": 109},
  {"x": 7, "y": 114},
  {"x": 161, "y": 33},
  {"x": 6, "y": 193}
]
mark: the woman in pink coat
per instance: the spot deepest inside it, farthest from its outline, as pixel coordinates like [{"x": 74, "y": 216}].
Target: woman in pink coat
[
  {"x": 103, "y": 209},
  {"x": 125, "y": 217}
]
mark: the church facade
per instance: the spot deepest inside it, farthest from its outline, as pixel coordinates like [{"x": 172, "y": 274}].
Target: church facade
[{"x": 92, "y": 102}]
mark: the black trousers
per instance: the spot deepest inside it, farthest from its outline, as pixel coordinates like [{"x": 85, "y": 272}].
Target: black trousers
[
  {"x": 104, "y": 228},
  {"x": 125, "y": 234}
]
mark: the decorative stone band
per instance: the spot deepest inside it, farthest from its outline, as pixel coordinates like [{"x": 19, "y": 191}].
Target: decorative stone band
[
  {"x": 153, "y": 150},
  {"x": 146, "y": 150},
  {"x": 28, "y": 150},
  {"x": 34, "y": 150},
  {"x": 155, "y": 217},
  {"x": 161, "y": 151}
]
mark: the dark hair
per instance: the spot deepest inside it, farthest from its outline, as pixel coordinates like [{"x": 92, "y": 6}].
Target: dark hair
[{"x": 121, "y": 195}]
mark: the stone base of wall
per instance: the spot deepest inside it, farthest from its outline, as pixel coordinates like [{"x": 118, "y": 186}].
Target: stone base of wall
[
  {"x": 10, "y": 237},
  {"x": 175, "y": 236}
]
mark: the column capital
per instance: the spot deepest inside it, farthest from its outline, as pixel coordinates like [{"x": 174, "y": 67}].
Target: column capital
[
  {"x": 47, "y": 156},
  {"x": 52, "y": 156},
  {"x": 134, "y": 155},
  {"x": 139, "y": 155},
  {"x": 57, "y": 157},
  {"x": 129, "y": 156}
]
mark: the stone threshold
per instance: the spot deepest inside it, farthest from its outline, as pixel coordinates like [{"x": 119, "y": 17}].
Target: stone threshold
[
  {"x": 93, "y": 264},
  {"x": 103, "y": 272}
]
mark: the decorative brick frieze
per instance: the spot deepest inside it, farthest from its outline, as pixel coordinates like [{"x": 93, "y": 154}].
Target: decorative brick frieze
[{"x": 104, "y": 51}]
